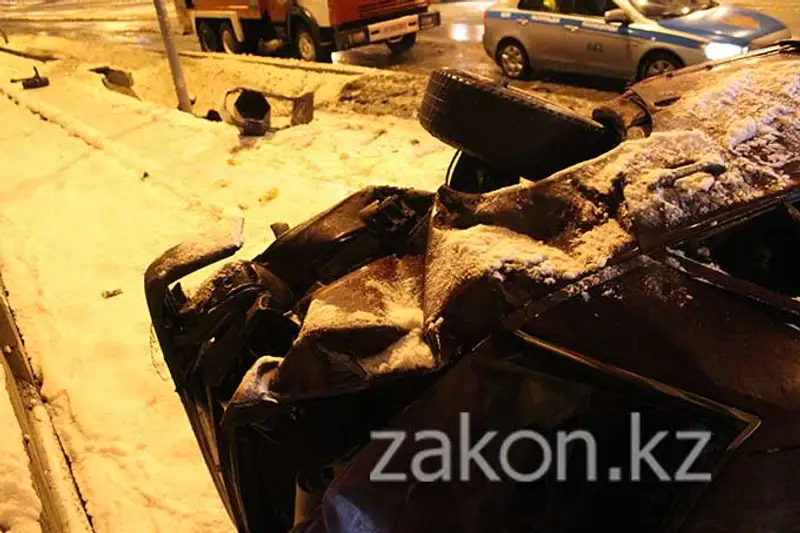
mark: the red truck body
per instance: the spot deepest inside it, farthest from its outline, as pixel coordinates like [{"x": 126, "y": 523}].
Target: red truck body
[{"x": 313, "y": 28}]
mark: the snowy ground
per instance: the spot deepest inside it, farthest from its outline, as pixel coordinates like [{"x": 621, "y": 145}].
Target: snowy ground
[
  {"x": 342, "y": 87},
  {"x": 100, "y": 189},
  {"x": 359, "y": 89}
]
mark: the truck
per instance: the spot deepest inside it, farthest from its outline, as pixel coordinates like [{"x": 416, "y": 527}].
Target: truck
[{"x": 308, "y": 29}]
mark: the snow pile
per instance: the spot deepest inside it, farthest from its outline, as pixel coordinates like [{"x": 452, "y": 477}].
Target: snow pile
[
  {"x": 398, "y": 95},
  {"x": 208, "y": 78},
  {"x": 19, "y": 504}
]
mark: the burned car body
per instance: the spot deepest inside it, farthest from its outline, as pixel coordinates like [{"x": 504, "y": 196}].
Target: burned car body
[{"x": 652, "y": 272}]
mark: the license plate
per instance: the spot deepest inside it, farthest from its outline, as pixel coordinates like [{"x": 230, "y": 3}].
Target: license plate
[
  {"x": 388, "y": 30},
  {"x": 426, "y": 22},
  {"x": 395, "y": 27}
]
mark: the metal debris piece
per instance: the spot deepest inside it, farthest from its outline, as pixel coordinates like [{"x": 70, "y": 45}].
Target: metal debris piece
[
  {"x": 117, "y": 80},
  {"x": 213, "y": 115},
  {"x": 33, "y": 82},
  {"x": 111, "y": 293},
  {"x": 303, "y": 109},
  {"x": 279, "y": 228},
  {"x": 251, "y": 111}
]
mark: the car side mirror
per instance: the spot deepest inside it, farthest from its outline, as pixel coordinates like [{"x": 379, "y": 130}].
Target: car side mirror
[{"x": 617, "y": 16}]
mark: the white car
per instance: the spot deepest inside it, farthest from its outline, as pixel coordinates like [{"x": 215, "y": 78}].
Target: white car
[{"x": 625, "y": 39}]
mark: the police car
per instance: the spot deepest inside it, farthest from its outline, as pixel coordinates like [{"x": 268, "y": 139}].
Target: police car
[{"x": 625, "y": 39}]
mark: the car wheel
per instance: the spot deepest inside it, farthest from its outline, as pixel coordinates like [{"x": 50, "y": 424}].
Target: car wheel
[
  {"x": 209, "y": 41},
  {"x": 658, "y": 64},
  {"x": 402, "y": 44},
  {"x": 227, "y": 37},
  {"x": 308, "y": 48},
  {"x": 507, "y": 128},
  {"x": 513, "y": 60}
]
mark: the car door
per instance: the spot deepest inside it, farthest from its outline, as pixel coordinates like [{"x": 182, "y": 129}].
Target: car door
[
  {"x": 541, "y": 33},
  {"x": 592, "y": 45}
]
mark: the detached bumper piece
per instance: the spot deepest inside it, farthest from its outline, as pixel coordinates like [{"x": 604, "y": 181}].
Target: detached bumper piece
[
  {"x": 34, "y": 82},
  {"x": 390, "y": 29}
]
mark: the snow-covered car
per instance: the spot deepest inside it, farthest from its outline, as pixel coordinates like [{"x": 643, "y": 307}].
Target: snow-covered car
[
  {"x": 625, "y": 39},
  {"x": 630, "y": 276}
]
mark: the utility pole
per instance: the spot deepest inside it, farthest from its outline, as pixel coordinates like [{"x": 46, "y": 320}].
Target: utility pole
[{"x": 184, "y": 103}]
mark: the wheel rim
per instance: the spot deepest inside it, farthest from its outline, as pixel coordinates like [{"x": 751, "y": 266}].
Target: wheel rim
[
  {"x": 229, "y": 42},
  {"x": 660, "y": 66},
  {"x": 306, "y": 47},
  {"x": 512, "y": 60}
]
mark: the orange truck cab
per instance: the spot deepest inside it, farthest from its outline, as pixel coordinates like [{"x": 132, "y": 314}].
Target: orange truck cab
[{"x": 313, "y": 29}]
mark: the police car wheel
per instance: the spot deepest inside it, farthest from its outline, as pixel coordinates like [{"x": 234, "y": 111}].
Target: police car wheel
[
  {"x": 658, "y": 64},
  {"x": 513, "y": 60},
  {"x": 511, "y": 130}
]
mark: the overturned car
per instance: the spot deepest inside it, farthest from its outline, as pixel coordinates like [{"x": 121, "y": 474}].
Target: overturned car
[{"x": 627, "y": 282}]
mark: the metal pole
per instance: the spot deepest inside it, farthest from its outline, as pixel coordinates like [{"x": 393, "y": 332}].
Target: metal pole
[{"x": 184, "y": 103}]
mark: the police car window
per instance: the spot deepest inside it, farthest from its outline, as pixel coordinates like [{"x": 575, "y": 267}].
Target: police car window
[
  {"x": 763, "y": 250},
  {"x": 537, "y": 5},
  {"x": 671, "y": 8},
  {"x": 592, "y": 8}
]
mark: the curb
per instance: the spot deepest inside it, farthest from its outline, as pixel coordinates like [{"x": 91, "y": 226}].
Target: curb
[
  {"x": 62, "y": 505},
  {"x": 297, "y": 64},
  {"x": 55, "y": 18},
  {"x": 27, "y": 55}
]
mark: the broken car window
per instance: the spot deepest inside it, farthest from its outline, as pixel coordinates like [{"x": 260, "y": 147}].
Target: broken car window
[
  {"x": 552, "y": 396},
  {"x": 764, "y": 250}
]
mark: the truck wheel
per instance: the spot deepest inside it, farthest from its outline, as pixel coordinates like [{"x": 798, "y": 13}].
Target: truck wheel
[
  {"x": 511, "y": 130},
  {"x": 209, "y": 42},
  {"x": 227, "y": 38},
  {"x": 402, "y": 44},
  {"x": 308, "y": 48}
]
